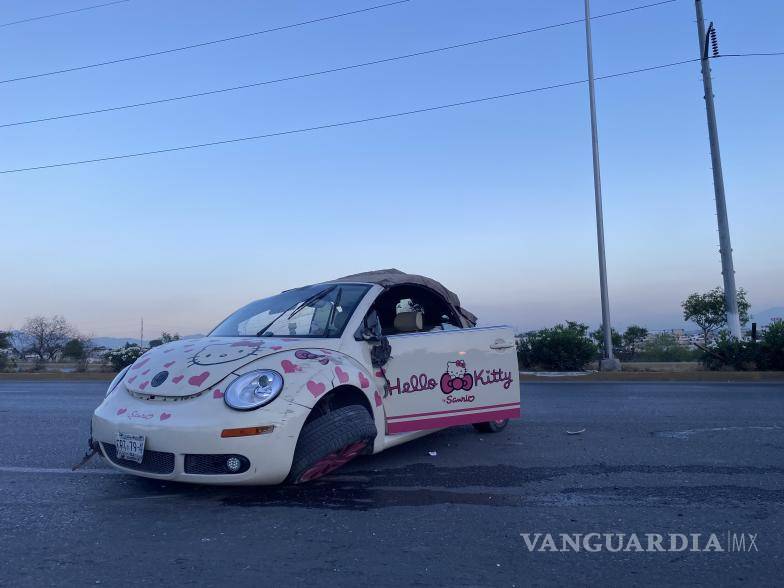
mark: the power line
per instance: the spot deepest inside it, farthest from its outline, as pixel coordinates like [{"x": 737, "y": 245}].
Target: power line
[
  {"x": 771, "y": 54},
  {"x": 342, "y": 123},
  {"x": 32, "y": 18},
  {"x": 326, "y": 71},
  {"x": 203, "y": 44}
]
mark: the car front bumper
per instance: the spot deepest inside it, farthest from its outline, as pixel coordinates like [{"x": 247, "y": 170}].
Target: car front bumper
[{"x": 192, "y": 427}]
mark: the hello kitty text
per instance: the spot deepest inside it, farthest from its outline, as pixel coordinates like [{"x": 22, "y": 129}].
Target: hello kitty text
[{"x": 456, "y": 378}]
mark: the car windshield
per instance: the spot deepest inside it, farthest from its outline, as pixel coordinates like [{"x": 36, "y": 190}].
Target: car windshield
[{"x": 321, "y": 310}]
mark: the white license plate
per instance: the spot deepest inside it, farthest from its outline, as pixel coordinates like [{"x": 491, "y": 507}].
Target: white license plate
[{"x": 130, "y": 447}]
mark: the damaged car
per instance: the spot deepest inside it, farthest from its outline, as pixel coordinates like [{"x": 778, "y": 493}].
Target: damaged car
[{"x": 291, "y": 387}]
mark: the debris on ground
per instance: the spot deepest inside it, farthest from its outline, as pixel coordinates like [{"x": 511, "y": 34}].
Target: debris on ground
[{"x": 568, "y": 432}]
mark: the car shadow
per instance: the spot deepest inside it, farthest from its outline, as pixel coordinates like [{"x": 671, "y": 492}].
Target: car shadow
[{"x": 369, "y": 482}]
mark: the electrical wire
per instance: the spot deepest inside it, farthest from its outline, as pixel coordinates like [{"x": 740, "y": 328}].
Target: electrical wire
[
  {"x": 324, "y": 71},
  {"x": 342, "y": 123},
  {"x": 202, "y": 44},
  {"x": 771, "y": 54},
  {"x": 32, "y": 18}
]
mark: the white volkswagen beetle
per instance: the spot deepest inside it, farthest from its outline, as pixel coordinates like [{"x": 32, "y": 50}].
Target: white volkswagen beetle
[{"x": 293, "y": 386}]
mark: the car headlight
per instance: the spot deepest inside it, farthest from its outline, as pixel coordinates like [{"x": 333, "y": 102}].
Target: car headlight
[
  {"x": 253, "y": 390},
  {"x": 117, "y": 379}
]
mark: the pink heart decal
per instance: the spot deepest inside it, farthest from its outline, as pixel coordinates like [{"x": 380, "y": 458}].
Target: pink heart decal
[
  {"x": 379, "y": 374},
  {"x": 168, "y": 365},
  {"x": 121, "y": 411},
  {"x": 289, "y": 368},
  {"x": 363, "y": 381},
  {"x": 377, "y": 397},
  {"x": 140, "y": 364},
  {"x": 178, "y": 379},
  {"x": 316, "y": 388},
  {"x": 198, "y": 380},
  {"x": 131, "y": 379},
  {"x": 168, "y": 350},
  {"x": 342, "y": 376},
  {"x": 217, "y": 394},
  {"x": 276, "y": 347},
  {"x": 145, "y": 372},
  {"x": 143, "y": 385},
  {"x": 165, "y": 415}
]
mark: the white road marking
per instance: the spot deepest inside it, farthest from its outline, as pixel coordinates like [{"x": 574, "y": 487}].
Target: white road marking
[
  {"x": 23, "y": 470},
  {"x": 688, "y": 432}
]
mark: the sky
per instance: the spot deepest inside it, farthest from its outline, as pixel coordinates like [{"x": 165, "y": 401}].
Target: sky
[{"x": 493, "y": 199}]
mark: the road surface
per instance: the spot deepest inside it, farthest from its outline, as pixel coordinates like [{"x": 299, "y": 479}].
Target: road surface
[{"x": 654, "y": 458}]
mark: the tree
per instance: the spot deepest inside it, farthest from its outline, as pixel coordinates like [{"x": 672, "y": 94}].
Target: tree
[
  {"x": 78, "y": 349},
  {"x": 562, "y": 347},
  {"x": 5, "y": 340},
  {"x": 164, "y": 338},
  {"x": 632, "y": 339},
  {"x": 46, "y": 337},
  {"x": 709, "y": 310},
  {"x": 5, "y": 343},
  {"x": 598, "y": 336},
  {"x": 168, "y": 337}
]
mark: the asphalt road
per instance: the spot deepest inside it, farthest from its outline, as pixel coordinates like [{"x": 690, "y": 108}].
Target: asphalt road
[{"x": 654, "y": 458}]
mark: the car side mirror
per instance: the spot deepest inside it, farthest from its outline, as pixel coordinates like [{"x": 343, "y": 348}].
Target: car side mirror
[
  {"x": 367, "y": 334},
  {"x": 370, "y": 329},
  {"x": 370, "y": 332}
]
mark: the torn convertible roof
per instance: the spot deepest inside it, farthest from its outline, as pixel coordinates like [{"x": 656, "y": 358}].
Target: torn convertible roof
[{"x": 394, "y": 277}]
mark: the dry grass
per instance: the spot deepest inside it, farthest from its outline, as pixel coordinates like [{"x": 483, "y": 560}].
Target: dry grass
[
  {"x": 56, "y": 376},
  {"x": 683, "y": 376},
  {"x": 691, "y": 376}
]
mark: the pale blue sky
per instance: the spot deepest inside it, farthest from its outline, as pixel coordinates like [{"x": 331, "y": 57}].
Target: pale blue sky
[{"x": 494, "y": 199}]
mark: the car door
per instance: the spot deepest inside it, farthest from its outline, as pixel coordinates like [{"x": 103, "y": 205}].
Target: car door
[{"x": 440, "y": 378}]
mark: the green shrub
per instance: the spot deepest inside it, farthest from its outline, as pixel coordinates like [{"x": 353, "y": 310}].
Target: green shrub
[
  {"x": 119, "y": 358},
  {"x": 731, "y": 353},
  {"x": 561, "y": 348},
  {"x": 665, "y": 347},
  {"x": 772, "y": 346}
]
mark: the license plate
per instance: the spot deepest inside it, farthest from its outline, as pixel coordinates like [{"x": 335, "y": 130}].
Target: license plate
[{"x": 130, "y": 447}]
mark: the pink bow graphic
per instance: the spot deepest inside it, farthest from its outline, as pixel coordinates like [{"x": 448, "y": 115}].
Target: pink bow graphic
[{"x": 449, "y": 384}]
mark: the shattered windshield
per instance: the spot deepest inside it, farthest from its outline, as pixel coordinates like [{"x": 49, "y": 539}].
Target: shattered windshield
[{"x": 321, "y": 310}]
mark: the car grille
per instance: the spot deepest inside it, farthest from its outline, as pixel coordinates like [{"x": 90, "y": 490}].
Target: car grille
[
  {"x": 211, "y": 464},
  {"x": 154, "y": 462}
]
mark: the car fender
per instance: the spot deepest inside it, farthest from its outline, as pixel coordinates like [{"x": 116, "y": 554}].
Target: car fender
[{"x": 309, "y": 374}]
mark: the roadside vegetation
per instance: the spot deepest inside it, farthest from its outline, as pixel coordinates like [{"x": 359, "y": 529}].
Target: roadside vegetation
[
  {"x": 570, "y": 346},
  {"x": 51, "y": 343}
]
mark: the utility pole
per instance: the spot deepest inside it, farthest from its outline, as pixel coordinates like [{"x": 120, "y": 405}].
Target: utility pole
[
  {"x": 725, "y": 247},
  {"x": 608, "y": 363},
  {"x": 141, "y": 333}
]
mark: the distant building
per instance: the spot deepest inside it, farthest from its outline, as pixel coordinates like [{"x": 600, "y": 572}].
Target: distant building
[{"x": 683, "y": 339}]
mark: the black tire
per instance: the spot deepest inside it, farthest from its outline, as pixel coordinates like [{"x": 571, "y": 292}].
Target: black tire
[
  {"x": 343, "y": 429},
  {"x": 491, "y": 426}
]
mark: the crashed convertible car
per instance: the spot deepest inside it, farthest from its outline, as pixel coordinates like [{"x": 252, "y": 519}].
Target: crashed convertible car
[{"x": 291, "y": 387}]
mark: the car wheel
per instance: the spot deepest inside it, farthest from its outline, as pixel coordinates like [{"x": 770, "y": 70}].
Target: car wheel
[
  {"x": 330, "y": 441},
  {"x": 491, "y": 426}
]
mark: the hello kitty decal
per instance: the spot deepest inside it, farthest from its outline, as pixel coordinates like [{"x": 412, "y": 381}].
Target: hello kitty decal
[
  {"x": 456, "y": 378},
  {"x": 217, "y": 353}
]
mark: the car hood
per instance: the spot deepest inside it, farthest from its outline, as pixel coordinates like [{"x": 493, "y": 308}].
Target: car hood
[{"x": 189, "y": 366}]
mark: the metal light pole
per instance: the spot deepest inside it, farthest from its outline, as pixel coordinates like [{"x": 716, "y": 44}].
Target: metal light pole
[
  {"x": 725, "y": 247},
  {"x": 608, "y": 363}
]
